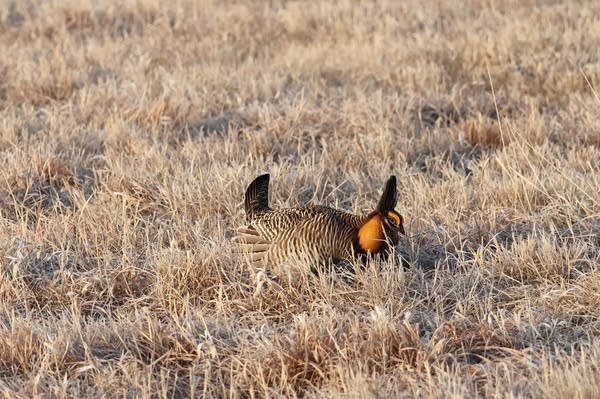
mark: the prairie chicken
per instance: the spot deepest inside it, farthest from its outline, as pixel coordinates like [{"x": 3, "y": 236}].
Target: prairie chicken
[{"x": 315, "y": 234}]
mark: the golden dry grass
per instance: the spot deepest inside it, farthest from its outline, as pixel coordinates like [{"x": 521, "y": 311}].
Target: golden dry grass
[{"x": 128, "y": 133}]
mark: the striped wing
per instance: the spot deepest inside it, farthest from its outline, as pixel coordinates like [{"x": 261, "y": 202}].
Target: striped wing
[{"x": 259, "y": 240}]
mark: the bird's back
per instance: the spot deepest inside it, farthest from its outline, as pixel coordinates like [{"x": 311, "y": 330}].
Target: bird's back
[{"x": 313, "y": 233}]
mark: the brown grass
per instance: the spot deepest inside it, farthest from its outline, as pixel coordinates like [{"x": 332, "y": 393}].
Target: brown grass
[{"x": 130, "y": 131}]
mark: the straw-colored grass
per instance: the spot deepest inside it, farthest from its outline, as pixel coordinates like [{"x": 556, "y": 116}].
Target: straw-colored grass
[{"x": 130, "y": 130}]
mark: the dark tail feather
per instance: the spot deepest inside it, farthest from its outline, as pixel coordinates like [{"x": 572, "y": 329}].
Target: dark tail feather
[
  {"x": 257, "y": 196},
  {"x": 388, "y": 199}
]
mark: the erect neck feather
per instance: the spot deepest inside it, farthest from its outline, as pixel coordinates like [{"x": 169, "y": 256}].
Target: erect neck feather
[{"x": 370, "y": 235}]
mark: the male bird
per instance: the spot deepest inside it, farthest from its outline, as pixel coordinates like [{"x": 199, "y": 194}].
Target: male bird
[{"x": 315, "y": 234}]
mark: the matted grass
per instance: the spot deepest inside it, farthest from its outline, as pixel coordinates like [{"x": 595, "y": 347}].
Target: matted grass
[{"x": 129, "y": 131}]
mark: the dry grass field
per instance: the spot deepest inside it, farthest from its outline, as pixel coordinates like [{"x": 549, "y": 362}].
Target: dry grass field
[{"x": 130, "y": 130}]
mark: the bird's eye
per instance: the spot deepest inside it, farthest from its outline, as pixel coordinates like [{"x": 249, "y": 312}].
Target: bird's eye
[{"x": 395, "y": 218}]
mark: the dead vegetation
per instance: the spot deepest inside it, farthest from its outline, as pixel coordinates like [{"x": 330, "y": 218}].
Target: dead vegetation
[{"x": 130, "y": 130}]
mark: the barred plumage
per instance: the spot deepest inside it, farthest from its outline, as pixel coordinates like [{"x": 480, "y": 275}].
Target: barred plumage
[{"x": 316, "y": 234}]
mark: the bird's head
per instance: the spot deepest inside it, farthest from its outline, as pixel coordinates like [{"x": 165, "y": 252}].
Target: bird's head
[{"x": 382, "y": 228}]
